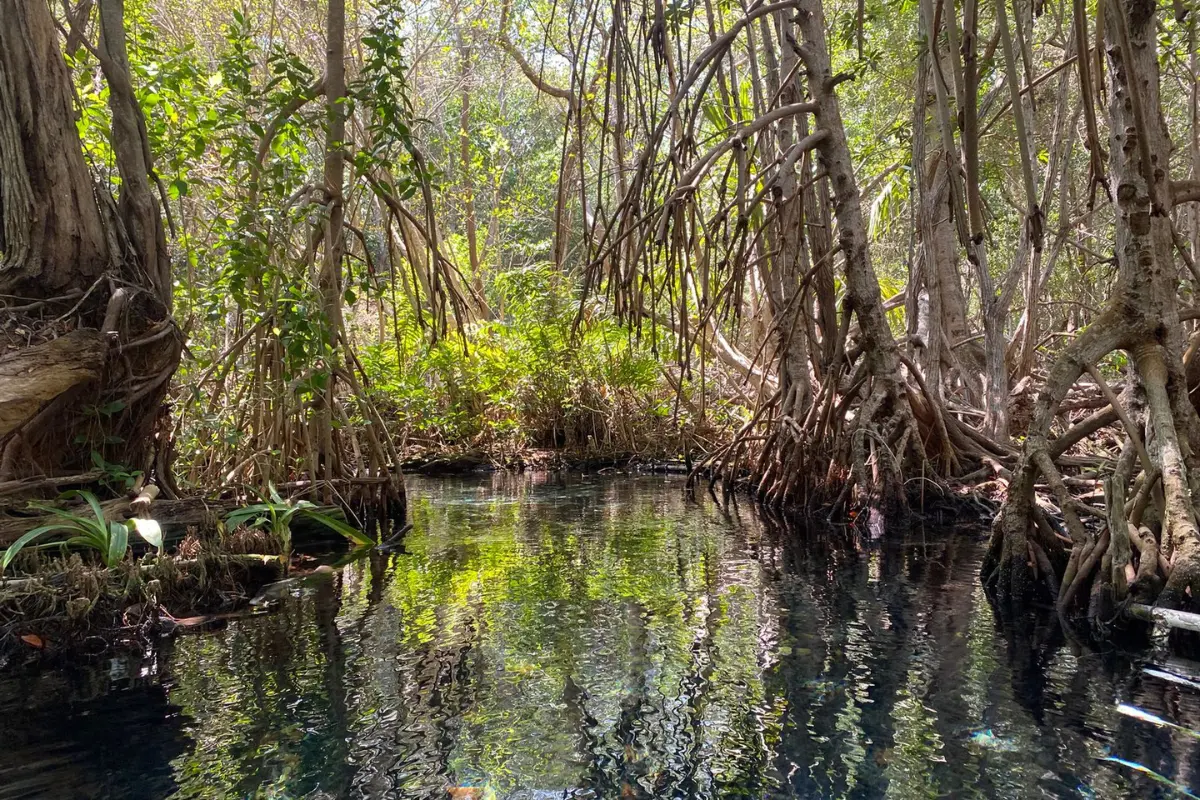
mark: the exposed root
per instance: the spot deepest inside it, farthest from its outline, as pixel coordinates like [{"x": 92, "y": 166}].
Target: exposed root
[
  {"x": 841, "y": 455},
  {"x": 69, "y": 605},
  {"x": 1144, "y": 546}
]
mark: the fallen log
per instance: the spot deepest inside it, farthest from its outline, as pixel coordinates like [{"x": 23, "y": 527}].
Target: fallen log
[
  {"x": 32, "y": 377},
  {"x": 1165, "y": 616},
  {"x": 38, "y": 487}
]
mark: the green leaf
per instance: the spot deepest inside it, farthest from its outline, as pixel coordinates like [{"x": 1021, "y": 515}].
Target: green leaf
[
  {"x": 241, "y": 515},
  {"x": 16, "y": 547},
  {"x": 118, "y": 543},
  {"x": 90, "y": 498},
  {"x": 351, "y": 533},
  {"x": 149, "y": 530},
  {"x": 74, "y": 522},
  {"x": 108, "y": 409}
]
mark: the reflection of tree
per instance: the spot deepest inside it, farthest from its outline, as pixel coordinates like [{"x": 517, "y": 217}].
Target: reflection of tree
[
  {"x": 262, "y": 715},
  {"x": 63, "y": 743},
  {"x": 610, "y": 638},
  {"x": 808, "y": 679},
  {"x": 890, "y": 684},
  {"x": 945, "y": 570},
  {"x": 327, "y": 603}
]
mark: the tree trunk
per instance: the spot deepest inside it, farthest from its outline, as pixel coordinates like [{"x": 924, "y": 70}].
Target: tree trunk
[
  {"x": 330, "y": 284},
  {"x": 466, "y": 179},
  {"x": 936, "y": 302},
  {"x": 356, "y": 464},
  {"x": 884, "y": 422},
  {"x": 1142, "y": 318},
  {"x": 138, "y": 205},
  {"x": 788, "y": 267},
  {"x": 88, "y": 384},
  {"x": 53, "y": 237}
]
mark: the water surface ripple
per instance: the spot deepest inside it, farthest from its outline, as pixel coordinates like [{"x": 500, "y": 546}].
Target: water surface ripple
[{"x": 587, "y": 637}]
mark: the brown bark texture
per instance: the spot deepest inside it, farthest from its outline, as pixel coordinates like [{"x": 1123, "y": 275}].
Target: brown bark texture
[
  {"x": 1151, "y": 519},
  {"x": 88, "y": 346}
]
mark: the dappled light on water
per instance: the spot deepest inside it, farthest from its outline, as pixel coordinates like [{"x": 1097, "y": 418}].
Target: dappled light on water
[{"x": 545, "y": 638}]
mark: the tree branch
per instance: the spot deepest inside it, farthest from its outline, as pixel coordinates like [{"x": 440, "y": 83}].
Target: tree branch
[
  {"x": 534, "y": 76},
  {"x": 1185, "y": 191}
]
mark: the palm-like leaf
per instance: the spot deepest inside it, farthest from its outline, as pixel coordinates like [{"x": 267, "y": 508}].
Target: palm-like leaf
[
  {"x": 109, "y": 539},
  {"x": 279, "y": 514},
  {"x": 20, "y": 544},
  {"x": 241, "y": 516},
  {"x": 118, "y": 543},
  {"x": 351, "y": 533},
  {"x": 91, "y": 501}
]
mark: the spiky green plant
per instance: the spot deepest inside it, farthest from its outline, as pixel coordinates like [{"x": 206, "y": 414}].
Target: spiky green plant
[
  {"x": 276, "y": 517},
  {"x": 109, "y": 539}
]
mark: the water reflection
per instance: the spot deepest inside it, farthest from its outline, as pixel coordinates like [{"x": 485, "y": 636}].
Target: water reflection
[{"x": 603, "y": 638}]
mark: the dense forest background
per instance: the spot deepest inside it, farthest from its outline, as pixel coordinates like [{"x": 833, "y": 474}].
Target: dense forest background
[{"x": 841, "y": 253}]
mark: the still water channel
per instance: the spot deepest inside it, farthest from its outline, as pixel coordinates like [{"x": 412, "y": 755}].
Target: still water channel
[{"x": 602, "y": 637}]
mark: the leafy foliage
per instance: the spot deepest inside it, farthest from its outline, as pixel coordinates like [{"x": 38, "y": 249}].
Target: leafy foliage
[
  {"x": 108, "y": 539},
  {"x": 276, "y": 515},
  {"x": 526, "y": 377}
]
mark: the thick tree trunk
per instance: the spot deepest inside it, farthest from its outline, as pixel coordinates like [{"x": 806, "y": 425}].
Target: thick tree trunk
[
  {"x": 102, "y": 335},
  {"x": 859, "y": 438},
  {"x": 965, "y": 196},
  {"x": 34, "y": 376},
  {"x": 53, "y": 239},
  {"x": 884, "y": 423},
  {"x": 783, "y": 275},
  {"x": 788, "y": 267},
  {"x": 1142, "y": 318}
]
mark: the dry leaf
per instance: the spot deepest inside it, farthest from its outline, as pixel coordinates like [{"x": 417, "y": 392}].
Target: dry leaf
[{"x": 33, "y": 641}]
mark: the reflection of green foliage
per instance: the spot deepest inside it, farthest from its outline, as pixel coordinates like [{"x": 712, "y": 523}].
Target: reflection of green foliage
[
  {"x": 532, "y": 599},
  {"x": 917, "y": 742},
  {"x": 264, "y": 708},
  {"x": 572, "y": 636}
]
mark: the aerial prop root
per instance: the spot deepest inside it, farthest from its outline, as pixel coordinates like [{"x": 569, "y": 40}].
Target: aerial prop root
[
  {"x": 887, "y": 446},
  {"x": 1144, "y": 545},
  {"x": 864, "y": 452}
]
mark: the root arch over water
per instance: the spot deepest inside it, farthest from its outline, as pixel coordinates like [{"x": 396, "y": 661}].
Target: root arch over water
[{"x": 1144, "y": 544}]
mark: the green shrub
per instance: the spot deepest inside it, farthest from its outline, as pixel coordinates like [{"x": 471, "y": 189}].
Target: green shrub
[{"x": 527, "y": 377}]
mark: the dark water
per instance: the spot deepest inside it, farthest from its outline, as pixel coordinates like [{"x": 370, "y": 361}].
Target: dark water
[{"x": 604, "y": 638}]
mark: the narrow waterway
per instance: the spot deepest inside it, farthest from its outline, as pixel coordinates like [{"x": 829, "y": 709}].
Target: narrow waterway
[{"x": 603, "y": 637}]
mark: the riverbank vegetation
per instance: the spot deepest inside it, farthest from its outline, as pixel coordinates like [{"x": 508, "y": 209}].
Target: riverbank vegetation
[{"x": 842, "y": 255}]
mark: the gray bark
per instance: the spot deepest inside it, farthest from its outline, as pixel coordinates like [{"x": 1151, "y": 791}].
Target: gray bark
[{"x": 53, "y": 237}]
